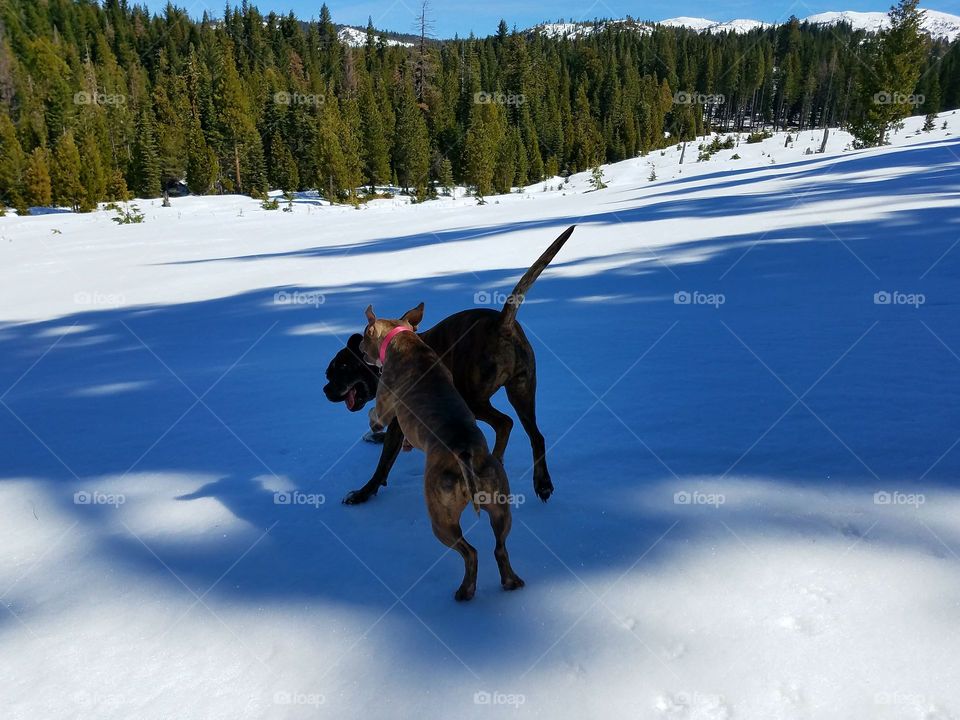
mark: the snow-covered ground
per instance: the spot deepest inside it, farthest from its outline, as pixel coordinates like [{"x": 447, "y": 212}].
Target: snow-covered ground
[{"x": 750, "y": 388}]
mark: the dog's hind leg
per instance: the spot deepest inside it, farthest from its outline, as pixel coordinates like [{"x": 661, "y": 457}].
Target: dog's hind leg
[
  {"x": 392, "y": 443},
  {"x": 450, "y": 534},
  {"x": 500, "y": 521},
  {"x": 502, "y": 425},
  {"x": 522, "y": 394},
  {"x": 446, "y": 498}
]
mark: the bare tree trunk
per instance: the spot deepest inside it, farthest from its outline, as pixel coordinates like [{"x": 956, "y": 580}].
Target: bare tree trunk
[{"x": 236, "y": 165}]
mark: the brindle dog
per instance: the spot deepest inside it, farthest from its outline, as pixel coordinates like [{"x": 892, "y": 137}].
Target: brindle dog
[
  {"x": 484, "y": 350},
  {"x": 417, "y": 391}
]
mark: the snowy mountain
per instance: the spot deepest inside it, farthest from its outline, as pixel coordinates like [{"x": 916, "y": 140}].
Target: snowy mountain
[
  {"x": 355, "y": 37},
  {"x": 703, "y": 24},
  {"x": 937, "y": 24}
]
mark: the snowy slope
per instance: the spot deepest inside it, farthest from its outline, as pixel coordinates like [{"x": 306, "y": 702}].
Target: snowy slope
[
  {"x": 937, "y": 24},
  {"x": 355, "y": 37},
  {"x": 748, "y": 382}
]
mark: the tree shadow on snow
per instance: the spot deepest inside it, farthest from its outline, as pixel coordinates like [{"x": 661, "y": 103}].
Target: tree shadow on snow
[{"x": 797, "y": 378}]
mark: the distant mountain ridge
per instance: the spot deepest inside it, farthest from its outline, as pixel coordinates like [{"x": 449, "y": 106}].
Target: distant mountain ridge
[{"x": 937, "y": 24}]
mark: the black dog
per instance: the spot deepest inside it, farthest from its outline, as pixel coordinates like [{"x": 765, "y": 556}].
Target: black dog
[{"x": 484, "y": 351}]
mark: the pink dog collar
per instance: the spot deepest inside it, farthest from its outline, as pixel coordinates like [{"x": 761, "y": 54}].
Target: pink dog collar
[{"x": 386, "y": 341}]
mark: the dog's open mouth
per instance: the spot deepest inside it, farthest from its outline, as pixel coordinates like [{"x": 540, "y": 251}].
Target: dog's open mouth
[{"x": 355, "y": 397}]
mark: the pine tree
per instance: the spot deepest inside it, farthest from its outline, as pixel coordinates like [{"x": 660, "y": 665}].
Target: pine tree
[
  {"x": 233, "y": 116},
  {"x": 202, "y": 165},
  {"x": 37, "y": 179},
  {"x": 445, "y": 175},
  {"x": 65, "y": 179},
  {"x": 12, "y": 163},
  {"x": 145, "y": 170},
  {"x": 283, "y": 168},
  {"x": 92, "y": 175},
  {"x": 596, "y": 178},
  {"x": 411, "y": 148},
  {"x": 478, "y": 158},
  {"x": 890, "y": 79},
  {"x": 931, "y": 102},
  {"x": 376, "y": 149}
]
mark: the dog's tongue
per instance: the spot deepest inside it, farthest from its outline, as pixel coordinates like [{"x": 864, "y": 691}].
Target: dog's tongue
[{"x": 351, "y": 399}]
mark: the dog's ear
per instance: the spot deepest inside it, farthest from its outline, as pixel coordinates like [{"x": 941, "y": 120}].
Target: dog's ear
[
  {"x": 371, "y": 316},
  {"x": 413, "y": 317},
  {"x": 353, "y": 344}
]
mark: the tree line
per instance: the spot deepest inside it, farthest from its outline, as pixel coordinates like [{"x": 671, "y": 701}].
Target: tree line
[{"x": 99, "y": 101}]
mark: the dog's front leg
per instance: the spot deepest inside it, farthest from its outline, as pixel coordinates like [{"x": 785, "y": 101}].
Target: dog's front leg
[{"x": 392, "y": 443}]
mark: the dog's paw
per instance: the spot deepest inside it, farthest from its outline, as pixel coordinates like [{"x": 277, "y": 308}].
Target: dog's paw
[
  {"x": 357, "y": 497},
  {"x": 464, "y": 593},
  {"x": 543, "y": 489},
  {"x": 375, "y": 437},
  {"x": 512, "y": 583}
]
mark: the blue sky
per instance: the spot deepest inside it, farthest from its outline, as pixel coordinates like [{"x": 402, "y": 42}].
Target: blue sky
[{"x": 464, "y": 16}]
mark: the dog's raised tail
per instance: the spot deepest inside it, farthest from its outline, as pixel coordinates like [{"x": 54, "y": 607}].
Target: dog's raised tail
[
  {"x": 470, "y": 477},
  {"x": 509, "y": 312}
]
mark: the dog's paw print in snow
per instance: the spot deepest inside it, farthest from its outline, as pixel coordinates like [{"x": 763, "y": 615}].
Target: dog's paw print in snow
[
  {"x": 789, "y": 702},
  {"x": 692, "y": 706},
  {"x": 817, "y": 593}
]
